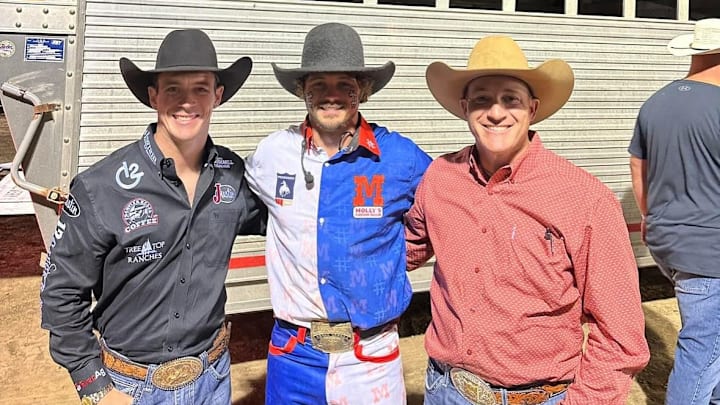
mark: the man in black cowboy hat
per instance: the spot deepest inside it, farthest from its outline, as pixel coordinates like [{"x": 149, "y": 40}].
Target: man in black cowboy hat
[
  {"x": 336, "y": 188},
  {"x": 148, "y": 231}
]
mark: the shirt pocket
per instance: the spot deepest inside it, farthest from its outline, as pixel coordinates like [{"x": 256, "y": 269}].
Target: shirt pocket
[
  {"x": 540, "y": 252},
  {"x": 221, "y": 234}
]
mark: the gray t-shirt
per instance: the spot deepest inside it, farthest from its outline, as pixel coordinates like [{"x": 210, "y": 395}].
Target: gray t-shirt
[{"x": 678, "y": 133}]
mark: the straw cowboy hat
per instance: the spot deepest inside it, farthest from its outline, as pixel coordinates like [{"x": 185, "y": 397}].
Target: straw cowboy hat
[
  {"x": 552, "y": 82},
  {"x": 703, "y": 41},
  {"x": 333, "y": 48},
  {"x": 185, "y": 51}
]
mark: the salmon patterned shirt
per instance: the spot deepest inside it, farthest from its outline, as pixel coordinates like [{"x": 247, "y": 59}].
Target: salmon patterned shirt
[{"x": 522, "y": 261}]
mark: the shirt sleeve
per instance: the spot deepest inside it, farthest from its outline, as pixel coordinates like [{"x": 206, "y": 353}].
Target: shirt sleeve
[
  {"x": 607, "y": 278},
  {"x": 637, "y": 143},
  {"x": 417, "y": 241},
  {"x": 73, "y": 269},
  {"x": 255, "y": 222}
]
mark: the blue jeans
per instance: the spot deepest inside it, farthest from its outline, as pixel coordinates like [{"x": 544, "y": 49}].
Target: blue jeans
[
  {"x": 439, "y": 390},
  {"x": 695, "y": 376},
  {"x": 211, "y": 388}
]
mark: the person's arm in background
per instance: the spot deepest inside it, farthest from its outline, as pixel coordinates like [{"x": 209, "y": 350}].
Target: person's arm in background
[{"x": 638, "y": 171}]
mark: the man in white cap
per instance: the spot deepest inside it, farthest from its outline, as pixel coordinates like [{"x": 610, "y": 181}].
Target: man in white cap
[
  {"x": 148, "y": 232},
  {"x": 528, "y": 247},
  {"x": 675, "y": 166},
  {"x": 336, "y": 188}
]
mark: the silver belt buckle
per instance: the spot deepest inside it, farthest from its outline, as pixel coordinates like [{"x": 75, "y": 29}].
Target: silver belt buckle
[
  {"x": 331, "y": 337},
  {"x": 472, "y": 387},
  {"x": 177, "y": 373}
]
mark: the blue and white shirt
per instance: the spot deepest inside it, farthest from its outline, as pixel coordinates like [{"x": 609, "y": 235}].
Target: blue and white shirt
[{"x": 342, "y": 260}]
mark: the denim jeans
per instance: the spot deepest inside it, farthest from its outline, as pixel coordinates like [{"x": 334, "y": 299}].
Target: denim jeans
[
  {"x": 439, "y": 390},
  {"x": 695, "y": 376},
  {"x": 211, "y": 388}
]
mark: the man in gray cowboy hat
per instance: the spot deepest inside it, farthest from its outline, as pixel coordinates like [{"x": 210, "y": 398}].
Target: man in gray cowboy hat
[
  {"x": 528, "y": 247},
  {"x": 675, "y": 166},
  {"x": 148, "y": 231},
  {"x": 336, "y": 188}
]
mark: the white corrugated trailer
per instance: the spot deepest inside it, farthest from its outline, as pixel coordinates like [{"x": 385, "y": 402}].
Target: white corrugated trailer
[{"x": 66, "y": 52}]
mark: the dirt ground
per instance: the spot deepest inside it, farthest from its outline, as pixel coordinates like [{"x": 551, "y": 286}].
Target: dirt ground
[{"x": 29, "y": 376}]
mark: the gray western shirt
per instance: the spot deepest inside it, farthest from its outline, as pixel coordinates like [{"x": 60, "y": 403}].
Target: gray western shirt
[{"x": 155, "y": 264}]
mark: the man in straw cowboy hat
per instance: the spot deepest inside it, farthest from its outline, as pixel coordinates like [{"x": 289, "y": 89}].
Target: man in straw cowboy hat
[
  {"x": 148, "y": 231},
  {"x": 675, "y": 166},
  {"x": 336, "y": 188},
  {"x": 528, "y": 247}
]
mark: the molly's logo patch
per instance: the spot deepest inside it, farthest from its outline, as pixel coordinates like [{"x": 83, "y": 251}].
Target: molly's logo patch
[
  {"x": 71, "y": 207},
  {"x": 368, "y": 201},
  {"x": 138, "y": 213},
  {"x": 284, "y": 186},
  {"x": 224, "y": 193}
]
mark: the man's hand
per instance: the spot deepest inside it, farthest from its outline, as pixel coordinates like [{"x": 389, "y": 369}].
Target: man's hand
[
  {"x": 116, "y": 397},
  {"x": 643, "y": 230}
]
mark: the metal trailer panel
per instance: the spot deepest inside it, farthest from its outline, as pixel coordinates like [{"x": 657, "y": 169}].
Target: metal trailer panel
[{"x": 618, "y": 63}]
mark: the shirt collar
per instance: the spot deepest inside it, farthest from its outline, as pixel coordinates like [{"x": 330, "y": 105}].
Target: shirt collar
[
  {"x": 524, "y": 163},
  {"x": 154, "y": 155},
  {"x": 364, "y": 131}
]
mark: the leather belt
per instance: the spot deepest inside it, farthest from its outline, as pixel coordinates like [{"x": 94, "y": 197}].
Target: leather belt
[
  {"x": 173, "y": 374},
  {"x": 479, "y": 392},
  {"x": 334, "y": 337}
]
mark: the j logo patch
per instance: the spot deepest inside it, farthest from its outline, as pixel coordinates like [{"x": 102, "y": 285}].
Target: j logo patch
[
  {"x": 128, "y": 177},
  {"x": 284, "y": 186},
  {"x": 224, "y": 193}
]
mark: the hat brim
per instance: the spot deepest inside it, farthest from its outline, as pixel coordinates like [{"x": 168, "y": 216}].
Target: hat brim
[
  {"x": 380, "y": 75},
  {"x": 682, "y": 46},
  {"x": 231, "y": 78},
  {"x": 551, "y": 82}
]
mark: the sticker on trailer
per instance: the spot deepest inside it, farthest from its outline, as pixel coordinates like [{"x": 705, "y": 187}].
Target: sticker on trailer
[
  {"x": 7, "y": 49},
  {"x": 44, "y": 50}
]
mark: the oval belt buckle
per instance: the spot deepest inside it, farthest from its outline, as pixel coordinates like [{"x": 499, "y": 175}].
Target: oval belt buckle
[
  {"x": 472, "y": 387},
  {"x": 177, "y": 373}
]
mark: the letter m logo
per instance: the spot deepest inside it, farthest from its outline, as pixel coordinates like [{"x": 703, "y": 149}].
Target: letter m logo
[{"x": 365, "y": 189}]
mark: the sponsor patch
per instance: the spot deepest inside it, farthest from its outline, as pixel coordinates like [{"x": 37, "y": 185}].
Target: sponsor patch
[
  {"x": 127, "y": 177},
  {"x": 71, "y": 207},
  {"x": 138, "y": 213},
  {"x": 47, "y": 270},
  {"x": 147, "y": 252},
  {"x": 148, "y": 147},
  {"x": 224, "y": 193},
  {"x": 368, "y": 201},
  {"x": 221, "y": 163},
  {"x": 284, "y": 186},
  {"x": 80, "y": 385}
]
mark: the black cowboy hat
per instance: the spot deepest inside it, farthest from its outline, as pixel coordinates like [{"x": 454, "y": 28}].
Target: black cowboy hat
[
  {"x": 185, "y": 51},
  {"x": 333, "y": 48}
]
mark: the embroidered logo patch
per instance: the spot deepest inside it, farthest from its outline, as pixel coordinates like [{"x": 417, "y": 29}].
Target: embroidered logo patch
[
  {"x": 127, "y": 177},
  {"x": 138, "y": 213},
  {"x": 71, "y": 207},
  {"x": 146, "y": 252},
  {"x": 284, "y": 186},
  {"x": 147, "y": 145},
  {"x": 221, "y": 163},
  {"x": 224, "y": 193},
  {"x": 368, "y": 201}
]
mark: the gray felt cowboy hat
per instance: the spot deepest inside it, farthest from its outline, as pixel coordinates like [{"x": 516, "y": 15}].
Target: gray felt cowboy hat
[
  {"x": 185, "y": 51},
  {"x": 704, "y": 40},
  {"x": 333, "y": 48}
]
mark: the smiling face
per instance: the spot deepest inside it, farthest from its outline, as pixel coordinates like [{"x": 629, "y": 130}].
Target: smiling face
[
  {"x": 184, "y": 102},
  {"x": 498, "y": 110},
  {"x": 332, "y": 101}
]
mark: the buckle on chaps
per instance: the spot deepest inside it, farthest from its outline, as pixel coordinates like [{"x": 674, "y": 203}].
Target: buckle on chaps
[
  {"x": 472, "y": 387},
  {"x": 177, "y": 373},
  {"x": 332, "y": 337}
]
